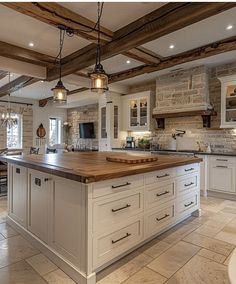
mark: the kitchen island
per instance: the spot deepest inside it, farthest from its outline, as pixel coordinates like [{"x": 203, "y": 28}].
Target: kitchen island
[{"x": 85, "y": 212}]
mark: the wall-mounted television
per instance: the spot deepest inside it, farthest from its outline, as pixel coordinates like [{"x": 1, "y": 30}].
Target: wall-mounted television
[{"x": 86, "y": 130}]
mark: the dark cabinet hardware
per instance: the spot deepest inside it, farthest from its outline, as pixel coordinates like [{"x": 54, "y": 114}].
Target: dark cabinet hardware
[
  {"x": 46, "y": 179},
  {"x": 159, "y": 219},
  {"x": 225, "y": 167},
  {"x": 121, "y": 185},
  {"x": 122, "y": 238},
  {"x": 37, "y": 181},
  {"x": 190, "y": 169},
  {"x": 222, "y": 160},
  {"x": 165, "y": 175},
  {"x": 188, "y": 184},
  {"x": 187, "y": 205},
  {"x": 121, "y": 208},
  {"x": 163, "y": 193},
  {"x": 17, "y": 170}
]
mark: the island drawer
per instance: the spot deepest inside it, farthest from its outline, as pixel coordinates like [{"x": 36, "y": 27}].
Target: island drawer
[
  {"x": 159, "y": 176},
  {"x": 187, "y": 169},
  {"x": 222, "y": 160},
  {"x": 109, "y": 246},
  {"x": 158, "y": 194},
  {"x": 187, "y": 204},
  {"x": 156, "y": 221},
  {"x": 187, "y": 184},
  {"x": 112, "y": 186},
  {"x": 112, "y": 211}
]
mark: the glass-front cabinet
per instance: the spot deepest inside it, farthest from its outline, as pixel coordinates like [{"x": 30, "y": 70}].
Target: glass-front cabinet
[
  {"x": 228, "y": 101},
  {"x": 138, "y": 111}
]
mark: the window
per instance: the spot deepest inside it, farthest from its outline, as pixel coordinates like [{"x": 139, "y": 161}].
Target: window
[
  {"x": 14, "y": 133},
  {"x": 55, "y": 131}
]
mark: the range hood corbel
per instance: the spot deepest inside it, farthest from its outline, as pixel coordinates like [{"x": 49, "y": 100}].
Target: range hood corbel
[{"x": 205, "y": 114}]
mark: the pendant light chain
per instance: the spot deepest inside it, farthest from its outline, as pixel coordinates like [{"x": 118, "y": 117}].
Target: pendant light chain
[{"x": 99, "y": 39}]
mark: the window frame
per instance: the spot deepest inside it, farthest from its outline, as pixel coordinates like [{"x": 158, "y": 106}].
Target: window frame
[{"x": 19, "y": 133}]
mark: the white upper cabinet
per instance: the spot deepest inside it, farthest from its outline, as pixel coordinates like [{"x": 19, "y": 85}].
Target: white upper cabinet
[
  {"x": 228, "y": 101},
  {"x": 137, "y": 112}
]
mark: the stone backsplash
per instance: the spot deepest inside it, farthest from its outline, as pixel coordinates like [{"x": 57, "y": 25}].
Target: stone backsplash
[
  {"x": 88, "y": 113},
  {"x": 220, "y": 139}
]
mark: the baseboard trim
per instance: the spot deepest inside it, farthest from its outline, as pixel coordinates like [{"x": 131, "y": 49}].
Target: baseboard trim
[{"x": 221, "y": 195}]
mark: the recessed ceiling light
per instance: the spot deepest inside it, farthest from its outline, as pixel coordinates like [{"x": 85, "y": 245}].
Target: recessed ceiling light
[
  {"x": 128, "y": 61},
  {"x": 229, "y": 27},
  {"x": 31, "y": 44},
  {"x": 171, "y": 46}
]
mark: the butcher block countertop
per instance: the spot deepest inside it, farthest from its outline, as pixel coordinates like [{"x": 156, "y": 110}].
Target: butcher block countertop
[{"x": 87, "y": 167}]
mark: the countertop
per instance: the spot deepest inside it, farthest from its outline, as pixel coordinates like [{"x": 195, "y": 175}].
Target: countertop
[
  {"x": 90, "y": 167},
  {"x": 187, "y": 152}
]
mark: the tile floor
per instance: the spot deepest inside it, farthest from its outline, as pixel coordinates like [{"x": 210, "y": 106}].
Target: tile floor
[{"x": 196, "y": 251}]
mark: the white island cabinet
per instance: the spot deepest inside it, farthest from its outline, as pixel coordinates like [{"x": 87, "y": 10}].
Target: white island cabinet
[{"x": 85, "y": 227}]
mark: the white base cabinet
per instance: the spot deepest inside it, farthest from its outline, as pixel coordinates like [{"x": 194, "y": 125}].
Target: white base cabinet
[{"x": 83, "y": 228}]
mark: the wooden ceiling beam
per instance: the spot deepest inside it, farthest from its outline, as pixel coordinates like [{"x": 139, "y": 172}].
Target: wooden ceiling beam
[
  {"x": 17, "y": 84},
  {"x": 167, "y": 19},
  {"x": 3, "y": 74},
  {"x": 55, "y": 14},
  {"x": 23, "y": 54},
  {"x": 205, "y": 51}
]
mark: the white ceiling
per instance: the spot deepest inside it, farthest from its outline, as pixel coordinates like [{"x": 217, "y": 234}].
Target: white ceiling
[
  {"x": 115, "y": 14},
  {"x": 198, "y": 34},
  {"x": 19, "y": 29}
]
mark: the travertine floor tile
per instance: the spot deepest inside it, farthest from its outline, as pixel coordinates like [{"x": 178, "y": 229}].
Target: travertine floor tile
[
  {"x": 156, "y": 249},
  {"x": 227, "y": 234},
  {"x": 20, "y": 273},
  {"x": 58, "y": 277},
  {"x": 200, "y": 270},
  {"x": 228, "y": 258},
  {"x": 212, "y": 255},
  {"x": 3, "y": 217},
  {"x": 41, "y": 264},
  {"x": 7, "y": 231},
  {"x": 124, "y": 268},
  {"x": 173, "y": 259},
  {"x": 147, "y": 276},
  {"x": 209, "y": 243},
  {"x": 229, "y": 209},
  {"x": 207, "y": 230},
  {"x": 15, "y": 249},
  {"x": 178, "y": 232}
]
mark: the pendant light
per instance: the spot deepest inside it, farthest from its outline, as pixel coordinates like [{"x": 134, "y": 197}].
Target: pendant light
[
  {"x": 59, "y": 91},
  {"x": 99, "y": 78}
]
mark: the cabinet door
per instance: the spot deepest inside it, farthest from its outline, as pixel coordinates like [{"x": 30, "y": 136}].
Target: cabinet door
[
  {"x": 143, "y": 112},
  {"x": 133, "y": 113},
  {"x": 222, "y": 178},
  {"x": 18, "y": 194},
  {"x": 38, "y": 204}
]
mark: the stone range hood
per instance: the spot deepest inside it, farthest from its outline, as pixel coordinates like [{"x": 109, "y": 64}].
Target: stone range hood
[{"x": 183, "y": 93}]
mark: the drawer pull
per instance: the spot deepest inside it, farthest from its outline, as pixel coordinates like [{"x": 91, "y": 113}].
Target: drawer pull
[
  {"x": 188, "y": 184},
  {"x": 190, "y": 169},
  {"x": 37, "y": 181},
  {"x": 122, "y": 238},
  {"x": 165, "y": 175},
  {"x": 187, "y": 205},
  {"x": 222, "y": 160},
  {"x": 163, "y": 193},
  {"x": 17, "y": 170},
  {"x": 159, "y": 219},
  {"x": 225, "y": 167},
  {"x": 121, "y": 208},
  {"x": 121, "y": 185}
]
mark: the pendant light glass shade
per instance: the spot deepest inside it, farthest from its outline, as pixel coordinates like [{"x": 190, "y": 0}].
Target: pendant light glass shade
[
  {"x": 99, "y": 80},
  {"x": 59, "y": 93}
]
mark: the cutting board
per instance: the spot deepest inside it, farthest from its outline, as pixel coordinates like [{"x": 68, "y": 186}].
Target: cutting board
[{"x": 130, "y": 159}]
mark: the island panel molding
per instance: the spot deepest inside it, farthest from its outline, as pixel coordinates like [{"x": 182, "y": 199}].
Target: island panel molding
[{"x": 86, "y": 227}]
